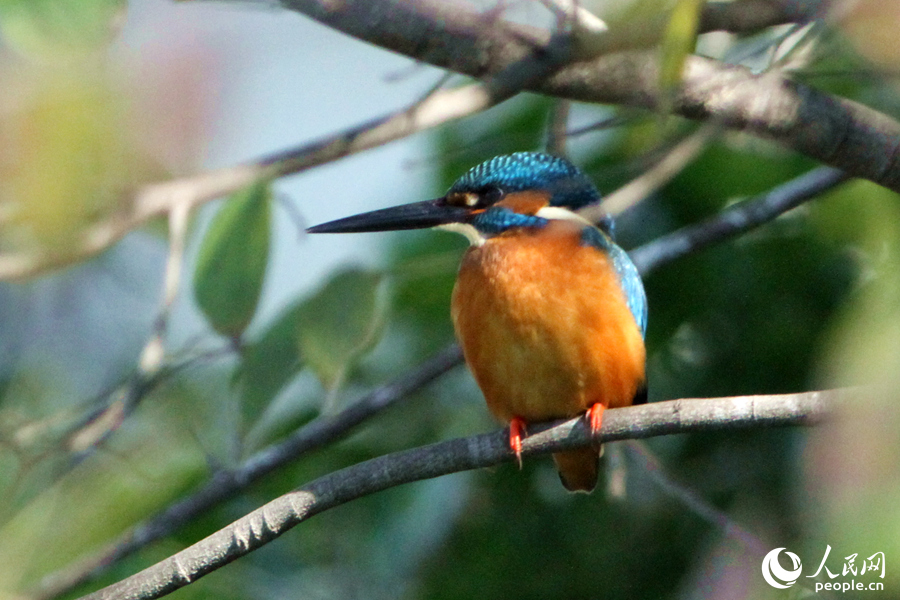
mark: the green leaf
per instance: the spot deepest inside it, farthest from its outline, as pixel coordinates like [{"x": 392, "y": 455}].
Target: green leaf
[
  {"x": 339, "y": 323},
  {"x": 268, "y": 364},
  {"x": 232, "y": 260},
  {"x": 677, "y": 44},
  {"x": 59, "y": 27}
]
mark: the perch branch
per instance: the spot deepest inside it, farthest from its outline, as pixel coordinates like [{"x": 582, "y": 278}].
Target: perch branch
[{"x": 280, "y": 515}]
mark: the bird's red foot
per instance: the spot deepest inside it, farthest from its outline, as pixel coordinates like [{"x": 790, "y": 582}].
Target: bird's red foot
[
  {"x": 516, "y": 430},
  {"x": 595, "y": 417}
]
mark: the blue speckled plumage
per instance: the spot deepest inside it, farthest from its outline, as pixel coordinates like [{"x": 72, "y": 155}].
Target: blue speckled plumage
[
  {"x": 521, "y": 171},
  {"x": 629, "y": 278}
]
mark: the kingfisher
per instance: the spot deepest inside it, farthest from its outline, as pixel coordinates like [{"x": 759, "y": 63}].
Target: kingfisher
[{"x": 549, "y": 311}]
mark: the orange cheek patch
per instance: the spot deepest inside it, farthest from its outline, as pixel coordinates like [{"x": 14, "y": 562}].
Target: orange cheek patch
[{"x": 525, "y": 203}]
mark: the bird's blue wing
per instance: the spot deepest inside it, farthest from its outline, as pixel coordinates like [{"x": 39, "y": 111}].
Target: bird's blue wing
[{"x": 629, "y": 278}]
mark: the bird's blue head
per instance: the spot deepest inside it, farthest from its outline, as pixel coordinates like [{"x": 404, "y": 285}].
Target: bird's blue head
[
  {"x": 566, "y": 185},
  {"x": 518, "y": 190}
]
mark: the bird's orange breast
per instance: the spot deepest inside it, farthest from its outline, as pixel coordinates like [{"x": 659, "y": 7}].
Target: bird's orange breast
[{"x": 545, "y": 327}]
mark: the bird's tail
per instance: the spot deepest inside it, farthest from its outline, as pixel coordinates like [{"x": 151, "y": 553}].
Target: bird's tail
[{"x": 578, "y": 469}]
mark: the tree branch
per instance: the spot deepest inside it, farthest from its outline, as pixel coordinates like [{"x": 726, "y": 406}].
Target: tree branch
[
  {"x": 280, "y": 515},
  {"x": 651, "y": 465},
  {"x": 753, "y": 15},
  {"x": 453, "y": 36},
  {"x": 223, "y": 485},
  {"x": 185, "y": 194},
  {"x": 848, "y": 135},
  {"x": 737, "y": 219},
  {"x": 655, "y": 177},
  {"x": 835, "y": 131}
]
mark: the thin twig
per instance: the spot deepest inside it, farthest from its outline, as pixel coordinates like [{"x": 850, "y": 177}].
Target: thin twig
[
  {"x": 153, "y": 354},
  {"x": 280, "y": 515},
  {"x": 99, "y": 424},
  {"x": 589, "y": 30},
  {"x": 736, "y": 219},
  {"x": 608, "y": 123},
  {"x": 439, "y": 106},
  {"x": 110, "y": 408},
  {"x": 651, "y": 465},
  {"x": 673, "y": 163}
]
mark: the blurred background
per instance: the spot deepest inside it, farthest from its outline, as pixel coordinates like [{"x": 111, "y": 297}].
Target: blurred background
[{"x": 102, "y": 96}]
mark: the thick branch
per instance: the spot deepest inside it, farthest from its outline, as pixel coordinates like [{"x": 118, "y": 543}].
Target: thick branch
[
  {"x": 753, "y": 15},
  {"x": 838, "y": 132},
  {"x": 835, "y": 131},
  {"x": 277, "y": 517},
  {"x": 452, "y": 35}
]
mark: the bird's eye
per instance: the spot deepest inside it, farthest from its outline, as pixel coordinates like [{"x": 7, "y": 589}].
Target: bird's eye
[
  {"x": 489, "y": 195},
  {"x": 480, "y": 198}
]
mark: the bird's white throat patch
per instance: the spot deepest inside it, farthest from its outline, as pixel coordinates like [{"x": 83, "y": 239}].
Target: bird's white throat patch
[
  {"x": 551, "y": 213},
  {"x": 475, "y": 237},
  {"x": 558, "y": 213}
]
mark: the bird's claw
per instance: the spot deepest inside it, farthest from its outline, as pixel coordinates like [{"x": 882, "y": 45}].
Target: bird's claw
[
  {"x": 595, "y": 417},
  {"x": 516, "y": 431}
]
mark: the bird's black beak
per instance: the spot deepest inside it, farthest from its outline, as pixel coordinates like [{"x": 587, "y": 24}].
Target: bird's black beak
[{"x": 417, "y": 215}]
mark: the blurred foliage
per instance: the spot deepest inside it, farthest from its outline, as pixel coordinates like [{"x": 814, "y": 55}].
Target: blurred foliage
[
  {"x": 268, "y": 363},
  {"x": 66, "y": 155},
  {"x": 851, "y": 463},
  {"x": 138, "y": 474},
  {"x": 810, "y": 300},
  {"x": 869, "y": 26},
  {"x": 677, "y": 44},
  {"x": 50, "y": 29},
  {"x": 338, "y": 324}
]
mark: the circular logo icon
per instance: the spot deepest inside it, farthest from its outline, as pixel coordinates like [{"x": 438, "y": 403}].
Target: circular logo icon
[{"x": 775, "y": 574}]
